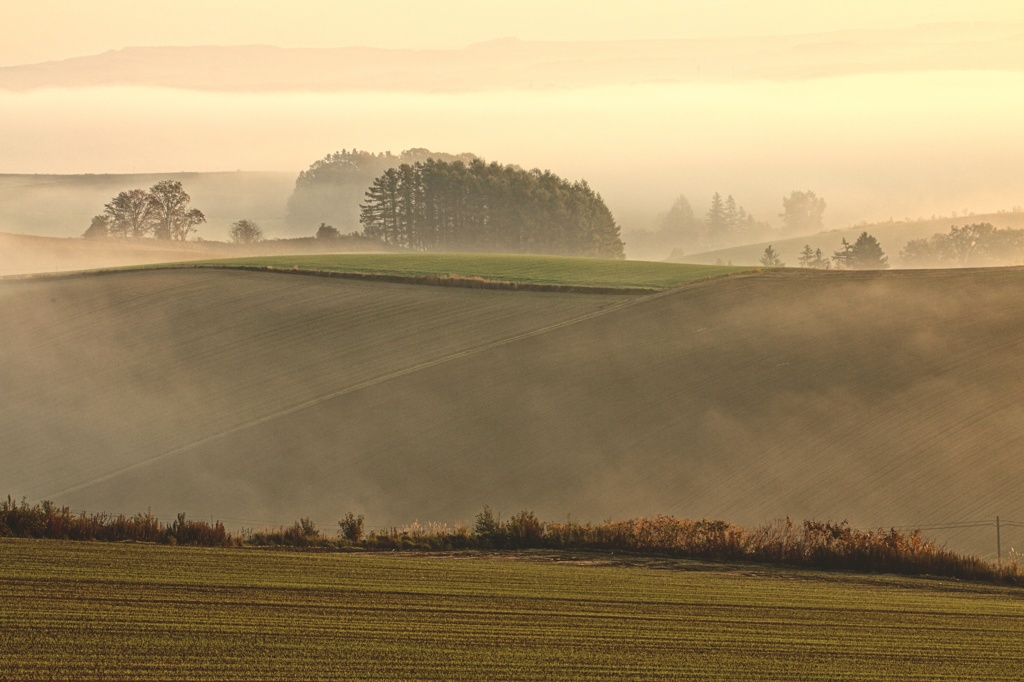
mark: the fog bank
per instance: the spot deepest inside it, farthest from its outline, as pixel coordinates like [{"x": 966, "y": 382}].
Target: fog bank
[{"x": 875, "y": 146}]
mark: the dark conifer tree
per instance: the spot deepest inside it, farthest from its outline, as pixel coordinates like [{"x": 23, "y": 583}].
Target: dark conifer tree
[{"x": 438, "y": 205}]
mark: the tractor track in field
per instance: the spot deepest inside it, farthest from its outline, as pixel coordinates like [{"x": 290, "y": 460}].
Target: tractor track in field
[
  {"x": 886, "y": 399},
  {"x": 364, "y": 384}
]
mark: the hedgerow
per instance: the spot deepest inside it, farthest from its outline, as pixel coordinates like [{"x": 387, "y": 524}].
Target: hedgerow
[{"x": 812, "y": 544}]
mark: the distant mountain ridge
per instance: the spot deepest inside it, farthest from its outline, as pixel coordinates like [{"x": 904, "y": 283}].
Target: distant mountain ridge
[{"x": 515, "y": 64}]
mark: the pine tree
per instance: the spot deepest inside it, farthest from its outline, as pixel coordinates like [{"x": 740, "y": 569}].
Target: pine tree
[
  {"x": 488, "y": 207},
  {"x": 732, "y": 217},
  {"x": 806, "y": 256},
  {"x": 770, "y": 258},
  {"x": 717, "y": 221},
  {"x": 864, "y": 254}
]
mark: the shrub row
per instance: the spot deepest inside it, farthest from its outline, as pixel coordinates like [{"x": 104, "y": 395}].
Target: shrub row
[
  {"x": 813, "y": 544},
  {"x": 47, "y": 520}
]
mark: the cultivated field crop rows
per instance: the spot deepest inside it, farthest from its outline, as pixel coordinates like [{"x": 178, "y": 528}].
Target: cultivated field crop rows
[{"x": 86, "y": 611}]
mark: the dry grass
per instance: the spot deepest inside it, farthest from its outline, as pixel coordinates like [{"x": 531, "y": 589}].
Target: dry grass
[{"x": 820, "y": 545}]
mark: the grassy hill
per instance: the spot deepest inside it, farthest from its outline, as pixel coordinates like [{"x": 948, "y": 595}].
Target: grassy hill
[
  {"x": 893, "y": 236},
  {"x": 520, "y": 269},
  {"x": 256, "y": 397},
  {"x": 138, "y": 612}
]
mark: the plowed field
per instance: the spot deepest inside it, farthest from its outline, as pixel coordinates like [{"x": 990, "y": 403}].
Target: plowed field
[
  {"x": 887, "y": 399},
  {"x": 85, "y": 611}
]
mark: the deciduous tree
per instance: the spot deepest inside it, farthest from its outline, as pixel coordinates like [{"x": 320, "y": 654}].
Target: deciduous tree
[
  {"x": 803, "y": 212},
  {"x": 327, "y": 232},
  {"x": 245, "y": 232},
  {"x": 132, "y": 214},
  {"x": 98, "y": 228},
  {"x": 174, "y": 219}
]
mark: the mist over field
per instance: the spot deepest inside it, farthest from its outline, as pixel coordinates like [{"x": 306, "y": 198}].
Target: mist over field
[
  {"x": 877, "y": 146},
  {"x": 885, "y": 123},
  {"x": 886, "y": 399},
  {"x": 882, "y": 398}
]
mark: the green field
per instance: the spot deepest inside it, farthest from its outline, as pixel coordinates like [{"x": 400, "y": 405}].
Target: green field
[
  {"x": 526, "y": 269},
  {"x": 100, "y": 611}
]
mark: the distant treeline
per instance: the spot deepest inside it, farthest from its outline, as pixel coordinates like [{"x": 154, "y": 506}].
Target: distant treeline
[
  {"x": 452, "y": 206},
  {"x": 978, "y": 244},
  {"x": 864, "y": 254},
  {"x": 162, "y": 212},
  {"x": 680, "y": 231},
  {"x": 812, "y": 544}
]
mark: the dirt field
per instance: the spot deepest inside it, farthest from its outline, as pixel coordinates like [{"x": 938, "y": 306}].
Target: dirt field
[
  {"x": 89, "y": 611},
  {"x": 887, "y": 399}
]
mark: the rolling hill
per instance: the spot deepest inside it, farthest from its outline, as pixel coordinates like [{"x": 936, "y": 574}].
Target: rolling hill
[
  {"x": 892, "y": 235},
  {"x": 887, "y": 399},
  {"x": 22, "y": 254},
  {"x": 510, "y": 63}
]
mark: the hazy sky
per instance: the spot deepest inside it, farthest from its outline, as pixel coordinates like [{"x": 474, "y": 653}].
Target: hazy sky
[
  {"x": 40, "y": 30},
  {"x": 876, "y": 145}
]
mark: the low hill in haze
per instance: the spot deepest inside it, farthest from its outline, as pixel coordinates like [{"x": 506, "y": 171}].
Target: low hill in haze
[
  {"x": 886, "y": 399},
  {"x": 22, "y": 254},
  {"x": 511, "y": 63},
  {"x": 892, "y": 235},
  {"x": 63, "y": 205}
]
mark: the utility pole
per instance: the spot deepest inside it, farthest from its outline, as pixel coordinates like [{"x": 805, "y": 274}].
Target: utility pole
[{"x": 999, "y": 547}]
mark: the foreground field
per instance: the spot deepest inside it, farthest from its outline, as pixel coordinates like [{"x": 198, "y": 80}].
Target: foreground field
[
  {"x": 885, "y": 399},
  {"x": 584, "y": 272},
  {"x": 91, "y": 611}
]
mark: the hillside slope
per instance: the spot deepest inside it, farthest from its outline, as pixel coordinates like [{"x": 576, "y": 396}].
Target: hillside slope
[
  {"x": 535, "y": 64},
  {"x": 893, "y": 237},
  {"x": 22, "y": 254},
  {"x": 881, "y": 398}
]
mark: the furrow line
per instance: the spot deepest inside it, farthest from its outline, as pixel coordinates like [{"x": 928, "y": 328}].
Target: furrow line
[{"x": 304, "y": 405}]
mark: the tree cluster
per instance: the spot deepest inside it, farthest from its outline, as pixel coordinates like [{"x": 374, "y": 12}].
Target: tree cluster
[
  {"x": 245, "y": 231},
  {"x": 813, "y": 258},
  {"x": 453, "y": 206},
  {"x": 331, "y": 189},
  {"x": 327, "y": 232},
  {"x": 162, "y": 212},
  {"x": 977, "y": 244},
  {"x": 864, "y": 254},
  {"x": 725, "y": 224}
]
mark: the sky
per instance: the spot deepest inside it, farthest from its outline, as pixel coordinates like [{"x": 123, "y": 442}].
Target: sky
[
  {"x": 876, "y": 146},
  {"x": 41, "y": 30}
]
